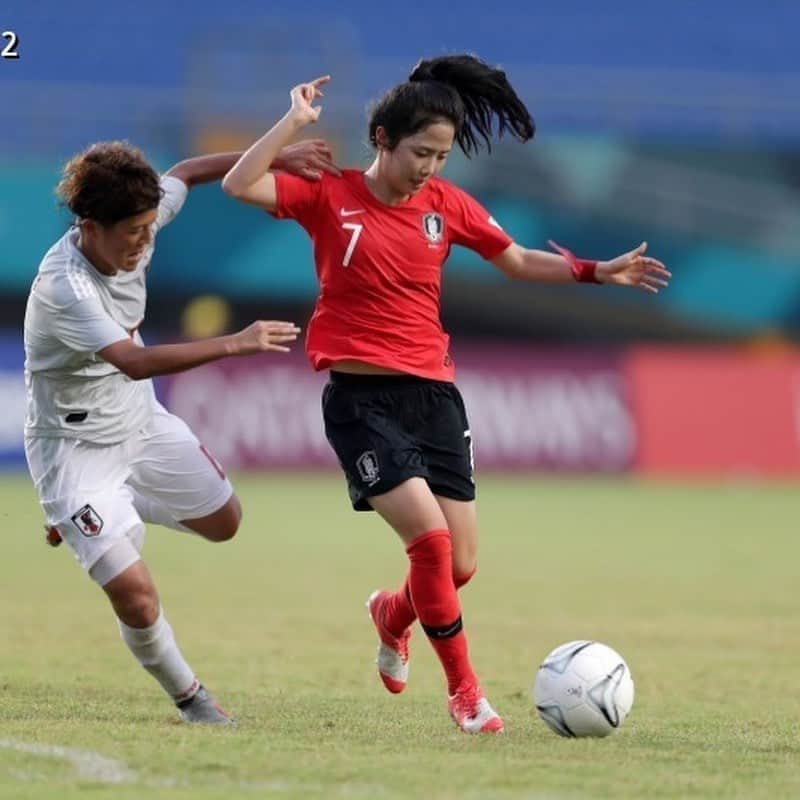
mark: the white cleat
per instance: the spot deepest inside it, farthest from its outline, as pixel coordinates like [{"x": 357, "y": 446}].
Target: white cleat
[{"x": 202, "y": 708}]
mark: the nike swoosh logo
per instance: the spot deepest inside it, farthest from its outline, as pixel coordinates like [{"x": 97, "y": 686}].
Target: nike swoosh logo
[
  {"x": 452, "y": 629},
  {"x": 350, "y": 213}
]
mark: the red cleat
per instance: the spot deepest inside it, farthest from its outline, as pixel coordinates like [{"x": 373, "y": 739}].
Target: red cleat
[
  {"x": 392, "y": 658},
  {"x": 471, "y": 711}
]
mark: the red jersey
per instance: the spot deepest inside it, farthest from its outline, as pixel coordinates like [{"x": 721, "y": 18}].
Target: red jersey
[{"x": 379, "y": 268}]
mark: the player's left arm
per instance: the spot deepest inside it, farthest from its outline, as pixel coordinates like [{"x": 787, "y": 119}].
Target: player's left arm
[
  {"x": 307, "y": 159},
  {"x": 203, "y": 169},
  {"x": 472, "y": 226},
  {"x": 634, "y": 268}
]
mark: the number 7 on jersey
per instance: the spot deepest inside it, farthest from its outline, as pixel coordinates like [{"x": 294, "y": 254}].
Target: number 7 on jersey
[{"x": 356, "y": 232}]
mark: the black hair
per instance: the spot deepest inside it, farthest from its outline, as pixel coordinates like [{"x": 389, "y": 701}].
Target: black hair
[
  {"x": 460, "y": 89},
  {"x": 108, "y": 182}
]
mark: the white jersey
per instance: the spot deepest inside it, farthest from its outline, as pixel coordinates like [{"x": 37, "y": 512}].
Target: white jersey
[{"x": 73, "y": 311}]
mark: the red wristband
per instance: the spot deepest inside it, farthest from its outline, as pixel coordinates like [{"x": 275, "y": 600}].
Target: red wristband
[{"x": 583, "y": 270}]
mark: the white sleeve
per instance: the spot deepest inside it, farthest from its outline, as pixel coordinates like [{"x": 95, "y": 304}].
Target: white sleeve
[
  {"x": 174, "y": 196},
  {"x": 86, "y": 327}
]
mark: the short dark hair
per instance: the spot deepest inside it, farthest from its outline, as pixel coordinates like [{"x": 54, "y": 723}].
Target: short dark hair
[
  {"x": 108, "y": 182},
  {"x": 460, "y": 89}
]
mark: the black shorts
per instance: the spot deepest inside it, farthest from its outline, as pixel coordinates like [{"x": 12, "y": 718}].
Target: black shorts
[{"x": 386, "y": 429}]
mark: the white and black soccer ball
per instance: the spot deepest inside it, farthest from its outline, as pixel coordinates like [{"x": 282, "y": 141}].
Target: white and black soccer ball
[{"x": 583, "y": 689}]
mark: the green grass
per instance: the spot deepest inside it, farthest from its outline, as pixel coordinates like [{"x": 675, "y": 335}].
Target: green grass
[{"x": 696, "y": 585}]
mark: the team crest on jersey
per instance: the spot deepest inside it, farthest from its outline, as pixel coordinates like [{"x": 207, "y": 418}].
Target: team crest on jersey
[
  {"x": 433, "y": 227},
  {"x": 87, "y": 521},
  {"x": 367, "y": 465}
]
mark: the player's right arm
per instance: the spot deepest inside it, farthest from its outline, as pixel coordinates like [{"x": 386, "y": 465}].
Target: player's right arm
[
  {"x": 249, "y": 180},
  {"x": 73, "y": 314},
  {"x": 139, "y": 362}
]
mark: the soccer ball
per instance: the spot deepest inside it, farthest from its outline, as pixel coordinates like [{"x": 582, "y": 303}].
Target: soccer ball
[{"x": 583, "y": 689}]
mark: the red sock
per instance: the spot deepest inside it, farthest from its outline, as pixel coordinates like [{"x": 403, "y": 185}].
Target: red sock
[
  {"x": 434, "y": 596},
  {"x": 399, "y": 612}
]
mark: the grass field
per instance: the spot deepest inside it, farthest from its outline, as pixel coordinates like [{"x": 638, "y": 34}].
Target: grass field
[{"x": 696, "y": 585}]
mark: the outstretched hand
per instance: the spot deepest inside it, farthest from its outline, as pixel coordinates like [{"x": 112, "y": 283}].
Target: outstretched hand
[
  {"x": 308, "y": 159},
  {"x": 303, "y": 97},
  {"x": 263, "y": 336},
  {"x": 635, "y": 269}
]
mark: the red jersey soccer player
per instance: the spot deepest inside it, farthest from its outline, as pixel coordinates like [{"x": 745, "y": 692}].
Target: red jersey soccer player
[{"x": 392, "y": 413}]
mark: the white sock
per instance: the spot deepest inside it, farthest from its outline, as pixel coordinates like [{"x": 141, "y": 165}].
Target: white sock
[
  {"x": 156, "y": 650},
  {"x": 151, "y": 510}
]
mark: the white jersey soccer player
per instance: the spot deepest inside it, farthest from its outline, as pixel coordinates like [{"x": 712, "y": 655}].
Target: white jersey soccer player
[
  {"x": 104, "y": 454},
  {"x": 73, "y": 312},
  {"x": 95, "y": 439}
]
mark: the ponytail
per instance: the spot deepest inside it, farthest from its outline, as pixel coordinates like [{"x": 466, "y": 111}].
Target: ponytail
[{"x": 476, "y": 98}]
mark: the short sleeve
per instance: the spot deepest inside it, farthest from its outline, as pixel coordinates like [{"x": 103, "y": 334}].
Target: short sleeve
[
  {"x": 297, "y": 198},
  {"x": 84, "y": 326},
  {"x": 472, "y": 226},
  {"x": 172, "y": 200}
]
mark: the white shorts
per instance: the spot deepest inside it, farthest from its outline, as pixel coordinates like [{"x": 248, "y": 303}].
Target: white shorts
[{"x": 83, "y": 487}]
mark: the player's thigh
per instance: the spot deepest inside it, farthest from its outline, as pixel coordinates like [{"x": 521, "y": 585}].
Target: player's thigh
[
  {"x": 81, "y": 489},
  {"x": 446, "y": 444},
  {"x": 410, "y": 508},
  {"x": 375, "y": 453},
  {"x": 462, "y": 522},
  {"x": 172, "y": 466}
]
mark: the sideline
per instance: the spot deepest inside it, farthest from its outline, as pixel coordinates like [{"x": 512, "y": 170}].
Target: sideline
[{"x": 89, "y": 765}]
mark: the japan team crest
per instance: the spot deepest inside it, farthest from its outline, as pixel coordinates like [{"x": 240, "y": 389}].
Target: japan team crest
[
  {"x": 433, "y": 227},
  {"x": 87, "y": 521}
]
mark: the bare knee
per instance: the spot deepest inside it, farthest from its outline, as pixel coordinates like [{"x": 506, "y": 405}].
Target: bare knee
[
  {"x": 138, "y": 611},
  {"x": 224, "y": 530},
  {"x": 230, "y": 519},
  {"x": 463, "y": 572},
  {"x": 133, "y": 597},
  {"x": 222, "y": 525}
]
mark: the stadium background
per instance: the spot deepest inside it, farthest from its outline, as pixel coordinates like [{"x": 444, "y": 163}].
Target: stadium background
[{"x": 674, "y": 124}]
